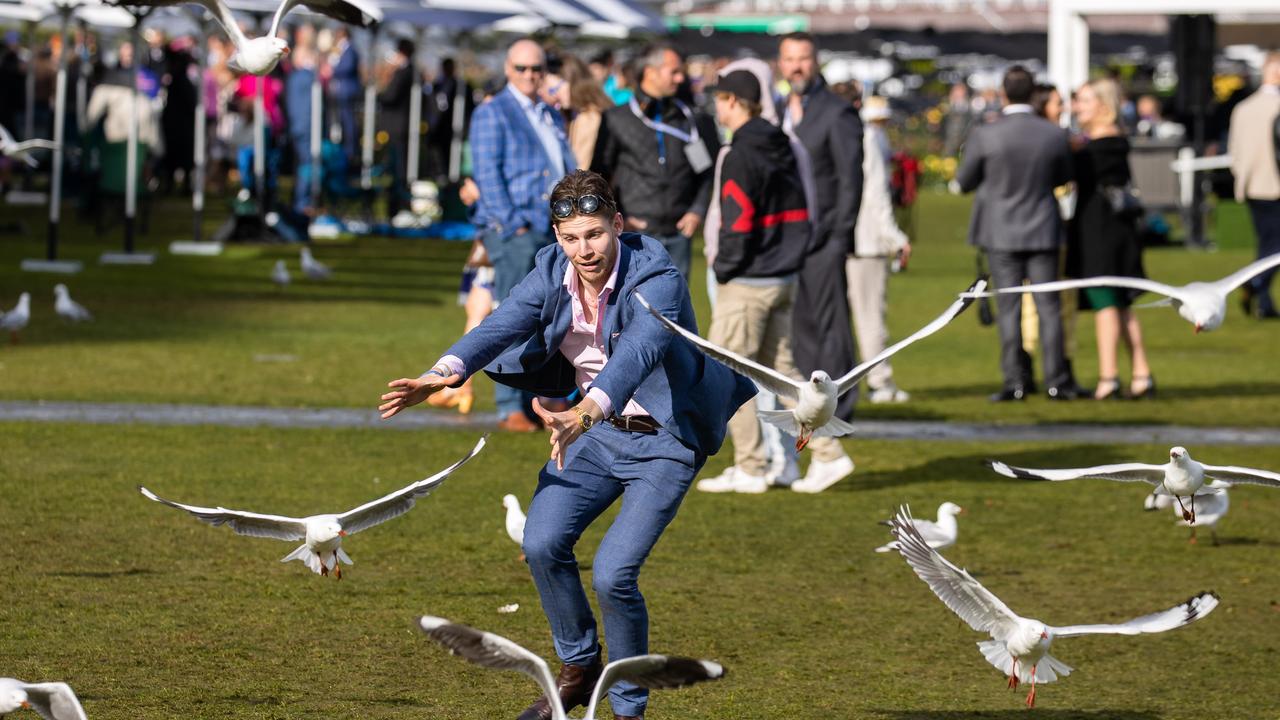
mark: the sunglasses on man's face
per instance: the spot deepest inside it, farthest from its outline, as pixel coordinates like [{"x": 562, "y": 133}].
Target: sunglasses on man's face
[
  {"x": 586, "y": 205},
  {"x": 535, "y": 69}
]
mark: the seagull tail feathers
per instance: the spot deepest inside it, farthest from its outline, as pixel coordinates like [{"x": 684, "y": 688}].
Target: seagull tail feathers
[
  {"x": 308, "y": 558},
  {"x": 835, "y": 427},
  {"x": 1048, "y": 669},
  {"x": 344, "y": 557},
  {"x": 784, "y": 420}
]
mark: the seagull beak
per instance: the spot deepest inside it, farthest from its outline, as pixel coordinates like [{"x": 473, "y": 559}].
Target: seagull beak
[
  {"x": 342, "y": 533},
  {"x": 1199, "y": 327},
  {"x": 962, "y": 512},
  {"x": 287, "y": 50},
  {"x": 26, "y": 705},
  {"x": 1044, "y": 635}
]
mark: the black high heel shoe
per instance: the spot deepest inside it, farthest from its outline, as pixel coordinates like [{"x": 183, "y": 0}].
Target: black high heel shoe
[
  {"x": 1108, "y": 389},
  {"x": 1148, "y": 392}
]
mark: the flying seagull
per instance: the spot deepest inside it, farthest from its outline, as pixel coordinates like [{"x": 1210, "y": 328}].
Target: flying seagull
[
  {"x": 66, "y": 307},
  {"x": 938, "y": 535},
  {"x": 814, "y": 399},
  {"x": 258, "y": 56},
  {"x": 1203, "y": 304},
  {"x": 322, "y": 534},
  {"x": 52, "y": 700},
  {"x": 1180, "y": 477},
  {"x": 313, "y": 268},
  {"x": 514, "y": 521},
  {"x": 655, "y": 672},
  {"x": 17, "y": 318},
  {"x": 10, "y": 147},
  {"x": 1019, "y": 646}
]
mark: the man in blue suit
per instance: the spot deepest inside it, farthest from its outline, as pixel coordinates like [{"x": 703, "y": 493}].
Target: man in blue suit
[
  {"x": 347, "y": 92},
  {"x": 520, "y": 151},
  {"x": 653, "y": 408}
]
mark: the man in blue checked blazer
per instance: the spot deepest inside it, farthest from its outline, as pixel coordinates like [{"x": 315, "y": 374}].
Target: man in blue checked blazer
[
  {"x": 519, "y": 151},
  {"x": 653, "y": 408}
]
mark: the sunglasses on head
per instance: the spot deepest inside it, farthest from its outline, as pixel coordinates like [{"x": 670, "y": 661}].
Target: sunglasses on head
[
  {"x": 535, "y": 69},
  {"x": 586, "y": 205}
]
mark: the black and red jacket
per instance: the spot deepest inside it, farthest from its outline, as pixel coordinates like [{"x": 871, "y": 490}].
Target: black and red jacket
[{"x": 765, "y": 226}]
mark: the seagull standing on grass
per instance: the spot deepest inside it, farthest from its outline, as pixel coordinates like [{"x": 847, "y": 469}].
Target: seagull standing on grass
[
  {"x": 258, "y": 56},
  {"x": 938, "y": 535},
  {"x": 814, "y": 399},
  {"x": 322, "y": 534},
  {"x": 280, "y": 274},
  {"x": 68, "y": 308},
  {"x": 10, "y": 147},
  {"x": 313, "y": 268},
  {"x": 17, "y": 318},
  {"x": 1203, "y": 304},
  {"x": 1019, "y": 646},
  {"x": 654, "y": 672},
  {"x": 1180, "y": 477},
  {"x": 515, "y": 521},
  {"x": 52, "y": 700}
]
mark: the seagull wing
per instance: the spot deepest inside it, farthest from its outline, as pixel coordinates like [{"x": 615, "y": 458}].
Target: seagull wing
[
  {"x": 1175, "y": 617},
  {"x": 765, "y": 377},
  {"x": 217, "y": 9},
  {"x": 351, "y": 12},
  {"x": 653, "y": 672},
  {"x": 1245, "y": 274},
  {"x": 1122, "y": 472},
  {"x": 400, "y": 501},
  {"x": 277, "y": 527},
  {"x": 34, "y": 145},
  {"x": 1242, "y": 475},
  {"x": 850, "y": 379},
  {"x": 956, "y": 588},
  {"x": 1100, "y": 281},
  {"x": 491, "y": 651},
  {"x": 6, "y": 139},
  {"x": 54, "y": 701}
]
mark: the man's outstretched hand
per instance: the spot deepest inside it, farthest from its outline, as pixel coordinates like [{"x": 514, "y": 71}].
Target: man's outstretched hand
[
  {"x": 407, "y": 392},
  {"x": 565, "y": 426}
]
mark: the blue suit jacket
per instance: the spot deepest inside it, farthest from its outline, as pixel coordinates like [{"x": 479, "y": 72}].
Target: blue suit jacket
[
  {"x": 692, "y": 395},
  {"x": 512, "y": 169},
  {"x": 346, "y": 75}
]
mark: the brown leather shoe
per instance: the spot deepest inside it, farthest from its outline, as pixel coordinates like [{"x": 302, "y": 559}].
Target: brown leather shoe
[
  {"x": 518, "y": 422},
  {"x": 574, "y": 683}
]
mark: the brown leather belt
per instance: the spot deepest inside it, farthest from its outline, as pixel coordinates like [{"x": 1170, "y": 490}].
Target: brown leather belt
[{"x": 643, "y": 424}]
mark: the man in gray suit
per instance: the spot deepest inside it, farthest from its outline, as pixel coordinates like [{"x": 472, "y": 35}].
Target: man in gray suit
[{"x": 1014, "y": 164}]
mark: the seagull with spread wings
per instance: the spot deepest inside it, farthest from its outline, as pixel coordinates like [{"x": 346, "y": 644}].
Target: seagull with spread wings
[
  {"x": 655, "y": 672},
  {"x": 1019, "y": 646},
  {"x": 1203, "y": 304},
  {"x": 52, "y": 700},
  {"x": 813, "y": 414},
  {"x": 258, "y": 56},
  {"x": 10, "y": 147},
  {"x": 321, "y": 534},
  {"x": 1180, "y": 477}
]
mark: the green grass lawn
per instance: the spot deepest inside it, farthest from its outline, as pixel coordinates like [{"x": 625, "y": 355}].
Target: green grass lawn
[{"x": 151, "y": 614}]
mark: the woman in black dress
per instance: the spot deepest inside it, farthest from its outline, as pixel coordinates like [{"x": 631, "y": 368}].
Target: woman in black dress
[{"x": 1104, "y": 237}]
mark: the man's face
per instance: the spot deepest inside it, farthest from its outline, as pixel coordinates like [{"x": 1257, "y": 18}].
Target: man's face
[
  {"x": 589, "y": 243},
  {"x": 724, "y": 106},
  {"x": 663, "y": 80},
  {"x": 797, "y": 62},
  {"x": 526, "y": 64}
]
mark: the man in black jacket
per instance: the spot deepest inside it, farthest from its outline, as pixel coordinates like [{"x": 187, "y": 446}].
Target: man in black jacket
[
  {"x": 394, "y": 117},
  {"x": 657, "y": 154},
  {"x": 831, "y": 131},
  {"x": 764, "y": 233}
]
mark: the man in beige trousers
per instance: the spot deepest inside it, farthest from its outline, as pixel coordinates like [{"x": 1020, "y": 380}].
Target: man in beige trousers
[
  {"x": 1254, "y": 144},
  {"x": 764, "y": 235}
]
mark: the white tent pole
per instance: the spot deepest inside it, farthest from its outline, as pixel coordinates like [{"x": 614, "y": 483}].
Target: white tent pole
[
  {"x": 29, "y": 125},
  {"x": 59, "y": 136},
  {"x": 198, "y": 159},
  {"x": 370, "y": 98},
  {"x": 415, "y": 112},
  {"x": 259, "y": 143},
  {"x": 459, "y": 122},
  {"x": 131, "y": 149},
  {"x": 82, "y": 77},
  {"x": 317, "y": 124}
]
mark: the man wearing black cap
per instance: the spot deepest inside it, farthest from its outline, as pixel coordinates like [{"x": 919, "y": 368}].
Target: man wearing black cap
[{"x": 766, "y": 229}]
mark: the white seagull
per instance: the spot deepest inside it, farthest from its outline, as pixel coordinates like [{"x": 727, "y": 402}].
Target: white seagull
[
  {"x": 939, "y": 535},
  {"x": 280, "y": 274},
  {"x": 322, "y": 534},
  {"x": 1203, "y": 304},
  {"x": 655, "y": 672},
  {"x": 17, "y": 318},
  {"x": 52, "y": 700},
  {"x": 1019, "y": 646},
  {"x": 1212, "y": 509},
  {"x": 515, "y": 521},
  {"x": 313, "y": 268},
  {"x": 814, "y": 399},
  {"x": 10, "y": 147},
  {"x": 258, "y": 56},
  {"x": 1180, "y": 477},
  {"x": 66, "y": 307}
]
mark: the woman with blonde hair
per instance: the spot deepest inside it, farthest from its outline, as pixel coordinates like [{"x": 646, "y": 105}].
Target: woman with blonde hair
[
  {"x": 583, "y": 103},
  {"x": 1103, "y": 237}
]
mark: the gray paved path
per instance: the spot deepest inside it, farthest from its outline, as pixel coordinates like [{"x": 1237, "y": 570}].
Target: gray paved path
[{"x": 240, "y": 416}]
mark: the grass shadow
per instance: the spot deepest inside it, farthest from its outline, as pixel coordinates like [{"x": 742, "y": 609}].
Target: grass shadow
[
  {"x": 1040, "y": 714},
  {"x": 103, "y": 574}
]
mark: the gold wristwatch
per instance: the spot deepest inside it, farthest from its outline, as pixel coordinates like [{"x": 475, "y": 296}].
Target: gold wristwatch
[{"x": 584, "y": 418}]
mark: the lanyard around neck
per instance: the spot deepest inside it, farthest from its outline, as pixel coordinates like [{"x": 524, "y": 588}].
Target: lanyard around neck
[{"x": 662, "y": 127}]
